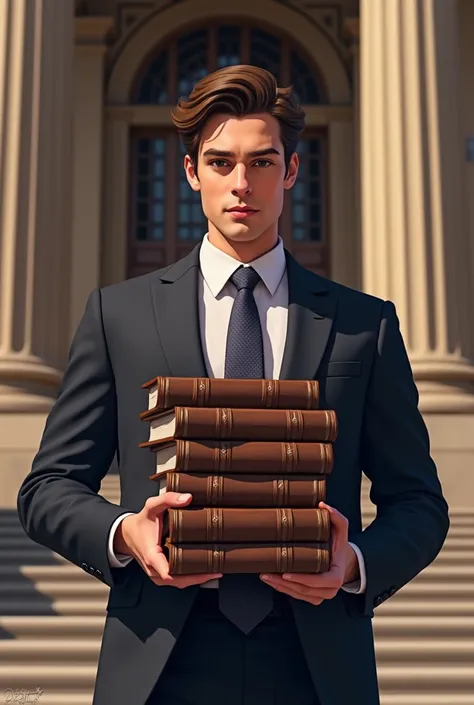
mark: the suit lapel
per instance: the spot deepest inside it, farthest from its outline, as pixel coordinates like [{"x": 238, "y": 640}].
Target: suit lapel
[
  {"x": 175, "y": 304},
  {"x": 311, "y": 312}
]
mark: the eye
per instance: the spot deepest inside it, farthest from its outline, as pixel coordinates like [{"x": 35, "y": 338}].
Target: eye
[
  {"x": 222, "y": 162},
  {"x": 264, "y": 160}
]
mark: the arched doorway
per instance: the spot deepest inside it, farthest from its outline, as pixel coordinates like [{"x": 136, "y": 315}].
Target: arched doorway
[{"x": 165, "y": 216}]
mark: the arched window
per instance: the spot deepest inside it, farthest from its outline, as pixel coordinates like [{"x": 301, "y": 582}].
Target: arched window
[{"x": 166, "y": 215}]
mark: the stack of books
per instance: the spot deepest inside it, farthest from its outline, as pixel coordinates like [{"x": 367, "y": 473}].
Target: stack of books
[{"x": 255, "y": 455}]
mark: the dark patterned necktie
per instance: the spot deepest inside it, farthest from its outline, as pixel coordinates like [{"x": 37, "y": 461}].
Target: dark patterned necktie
[{"x": 243, "y": 597}]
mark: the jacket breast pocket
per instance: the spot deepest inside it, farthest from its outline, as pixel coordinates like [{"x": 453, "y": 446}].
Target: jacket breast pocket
[{"x": 349, "y": 368}]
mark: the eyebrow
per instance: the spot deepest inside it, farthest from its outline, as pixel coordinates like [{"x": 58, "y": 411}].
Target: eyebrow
[{"x": 224, "y": 153}]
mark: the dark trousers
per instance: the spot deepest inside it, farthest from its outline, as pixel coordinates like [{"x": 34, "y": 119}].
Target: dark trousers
[{"x": 214, "y": 663}]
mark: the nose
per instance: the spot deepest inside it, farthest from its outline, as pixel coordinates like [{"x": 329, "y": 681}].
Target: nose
[{"x": 241, "y": 185}]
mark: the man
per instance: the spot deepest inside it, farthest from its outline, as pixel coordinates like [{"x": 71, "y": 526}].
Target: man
[{"x": 237, "y": 305}]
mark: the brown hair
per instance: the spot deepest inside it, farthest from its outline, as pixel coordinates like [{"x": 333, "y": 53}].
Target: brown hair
[{"x": 238, "y": 90}]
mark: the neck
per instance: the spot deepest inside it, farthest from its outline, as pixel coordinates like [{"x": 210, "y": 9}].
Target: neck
[{"x": 241, "y": 250}]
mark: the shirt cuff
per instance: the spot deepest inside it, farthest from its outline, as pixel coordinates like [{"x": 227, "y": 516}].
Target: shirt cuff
[
  {"x": 117, "y": 560},
  {"x": 357, "y": 586}
]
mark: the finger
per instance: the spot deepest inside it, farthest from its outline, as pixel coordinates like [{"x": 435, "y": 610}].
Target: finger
[
  {"x": 311, "y": 584},
  {"x": 158, "y": 504},
  {"x": 338, "y": 520},
  {"x": 328, "y": 579},
  {"x": 340, "y": 526},
  {"x": 182, "y": 581},
  {"x": 158, "y": 566},
  {"x": 283, "y": 586}
]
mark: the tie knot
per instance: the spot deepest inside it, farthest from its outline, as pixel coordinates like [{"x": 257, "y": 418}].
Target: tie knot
[{"x": 245, "y": 278}]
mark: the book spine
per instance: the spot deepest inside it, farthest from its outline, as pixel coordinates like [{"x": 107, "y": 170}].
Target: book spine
[
  {"x": 245, "y": 558},
  {"x": 167, "y": 392},
  {"x": 255, "y": 424},
  {"x": 279, "y": 525},
  {"x": 275, "y": 457},
  {"x": 210, "y": 490}
]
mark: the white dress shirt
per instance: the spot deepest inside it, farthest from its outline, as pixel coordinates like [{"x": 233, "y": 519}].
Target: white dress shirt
[{"x": 216, "y": 297}]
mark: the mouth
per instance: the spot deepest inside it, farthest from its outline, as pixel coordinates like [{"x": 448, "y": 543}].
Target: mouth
[{"x": 241, "y": 213}]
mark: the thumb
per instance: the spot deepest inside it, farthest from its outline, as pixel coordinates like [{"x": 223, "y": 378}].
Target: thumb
[{"x": 161, "y": 502}]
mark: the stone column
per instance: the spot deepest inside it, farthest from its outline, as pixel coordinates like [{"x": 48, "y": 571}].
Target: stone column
[
  {"x": 91, "y": 35},
  {"x": 415, "y": 239},
  {"x": 36, "y": 77}
]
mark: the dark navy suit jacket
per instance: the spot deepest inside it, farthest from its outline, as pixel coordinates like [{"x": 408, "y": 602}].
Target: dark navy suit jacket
[{"x": 147, "y": 326}]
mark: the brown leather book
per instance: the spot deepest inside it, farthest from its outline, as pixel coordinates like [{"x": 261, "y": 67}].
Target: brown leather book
[
  {"x": 218, "y": 525},
  {"x": 218, "y": 423},
  {"x": 275, "y": 457},
  {"x": 247, "y": 558},
  {"x": 168, "y": 392},
  {"x": 209, "y": 490}
]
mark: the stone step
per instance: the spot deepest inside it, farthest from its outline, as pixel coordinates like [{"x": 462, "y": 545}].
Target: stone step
[
  {"x": 409, "y": 679},
  {"x": 427, "y": 698},
  {"x": 53, "y": 626},
  {"x": 433, "y": 608}
]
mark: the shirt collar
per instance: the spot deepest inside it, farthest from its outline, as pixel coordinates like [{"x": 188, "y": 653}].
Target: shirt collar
[{"x": 217, "y": 266}]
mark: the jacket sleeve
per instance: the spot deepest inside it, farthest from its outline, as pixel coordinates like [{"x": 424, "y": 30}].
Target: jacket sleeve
[
  {"x": 58, "y": 502},
  {"x": 412, "y": 518}
]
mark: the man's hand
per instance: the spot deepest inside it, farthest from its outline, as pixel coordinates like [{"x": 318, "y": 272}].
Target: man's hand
[
  {"x": 141, "y": 536},
  {"x": 316, "y": 587}
]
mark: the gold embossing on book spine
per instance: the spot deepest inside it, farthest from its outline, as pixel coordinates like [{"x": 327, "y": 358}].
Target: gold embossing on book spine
[
  {"x": 215, "y": 489},
  {"x": 182, "y": 454},
  {"x": 280, "y": 492},
  {"x": 294, "y": 425},
  {"x": 214, "y": 526},
  {"x": 178, "y": 552},
  {"x": 313, "y": 394},
  {"x": 215, "y": 560},
  {"x": 284, "y": 524},
  {"x": 270, "y": 393},
  {"x": 181, "y": 421},
  {"x": 330, "y": 456},
  {"x": 284, "y": 558},
  {"x": 319, "y": 491},
  {"x": 222, "y": 458},
  {"x": 224, "y": 423},
  {"x": 201, "y": 391},
  {"x": 163, "y": 392}
]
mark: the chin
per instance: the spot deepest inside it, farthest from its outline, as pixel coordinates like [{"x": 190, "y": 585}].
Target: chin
[{"x": 241, "y": 233}]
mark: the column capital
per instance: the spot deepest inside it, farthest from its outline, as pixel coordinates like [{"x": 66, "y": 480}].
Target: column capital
[{"x": 92, "y": 32}]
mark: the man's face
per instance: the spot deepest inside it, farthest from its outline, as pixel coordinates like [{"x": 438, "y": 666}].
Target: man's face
[{"x": 231, "y": 175}]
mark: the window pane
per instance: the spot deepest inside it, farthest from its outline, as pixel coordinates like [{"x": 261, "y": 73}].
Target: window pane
[
  {"x": 265, "y": 51},
  {"x": 228, "y": 43},
  {"x": 303, "y": 81},
  {"x": 192, "y": 60},
  {"x": 306, "y": 204},
  {"x": 149, "y": 158},
  {"x": 154, "y": 85}
]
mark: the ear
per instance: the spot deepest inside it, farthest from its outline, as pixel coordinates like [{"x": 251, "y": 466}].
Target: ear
[
  {"x": 293, "y": 167},
  {"x": 190, "y": 174}
]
